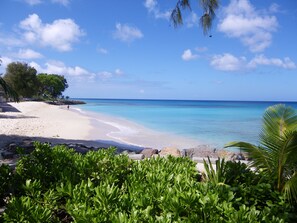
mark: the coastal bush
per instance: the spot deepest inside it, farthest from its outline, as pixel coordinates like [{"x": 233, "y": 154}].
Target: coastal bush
[
  {"x": 5, "y": 182},
  {"x": 60, "y": 185}
]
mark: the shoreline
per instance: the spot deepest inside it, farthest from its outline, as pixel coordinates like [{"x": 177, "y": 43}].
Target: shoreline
[{"x": 57, "y": 124}]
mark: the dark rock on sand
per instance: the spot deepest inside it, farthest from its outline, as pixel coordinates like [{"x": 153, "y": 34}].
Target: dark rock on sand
[{"x": 7, "y": 155}]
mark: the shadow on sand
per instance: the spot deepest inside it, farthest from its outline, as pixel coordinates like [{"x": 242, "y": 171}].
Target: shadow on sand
[
  {"x": 5, "y": 140},
  {"x": 7, "y": 108}
]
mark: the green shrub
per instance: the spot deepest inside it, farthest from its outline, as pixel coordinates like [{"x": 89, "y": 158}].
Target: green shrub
[
  {"x": 6, "y": 179},
  {"x": 59, "y": 185}
]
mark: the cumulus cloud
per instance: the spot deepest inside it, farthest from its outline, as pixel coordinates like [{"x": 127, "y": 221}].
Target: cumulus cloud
[
  {"x": 286, "y": 63},
  {"x": 60, "y": 34},
  {"x": 253, "y": 28},
  {"x": 58, "y": 67},
  {"x": 188, "y": 55},
  {"x": 28, "y": 54},
  {"x": 229, "y": 62},
  {"x": 153, "y": 8},
  {"x": 105, "y": 75},
  {"x": 127, "y": 33}
]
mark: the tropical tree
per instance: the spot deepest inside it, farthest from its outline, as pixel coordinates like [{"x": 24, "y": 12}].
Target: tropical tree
[
  {"x": 22, "y": 78},
  {"x": 51, "y": 85},
  {"x": 276, "y": 154},
  {"x": 208, "y": 6},
  {"x": 8, "y": 91}
]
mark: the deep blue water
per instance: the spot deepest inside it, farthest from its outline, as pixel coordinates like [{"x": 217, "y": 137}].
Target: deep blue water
[{"x": 212, "y": 122}]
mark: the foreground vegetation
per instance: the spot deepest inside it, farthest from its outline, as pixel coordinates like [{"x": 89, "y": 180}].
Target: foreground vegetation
[{"x": 60, "y": 185}]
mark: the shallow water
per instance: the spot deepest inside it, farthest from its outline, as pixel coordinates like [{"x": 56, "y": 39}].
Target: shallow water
[{"x": 210, "y": 122}]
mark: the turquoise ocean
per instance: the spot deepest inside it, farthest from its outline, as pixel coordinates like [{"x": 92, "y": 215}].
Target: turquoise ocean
[{"x": 211, "y": 122}]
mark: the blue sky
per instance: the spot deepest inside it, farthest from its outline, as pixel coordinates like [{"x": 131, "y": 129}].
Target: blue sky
[{"x": 129, "y": 49}]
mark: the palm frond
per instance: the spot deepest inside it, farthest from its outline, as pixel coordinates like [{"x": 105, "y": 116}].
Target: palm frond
[
  {"x": 206, "y": 23},
  {"x": 8, "y": 90},
  {"x": 290, "y": 188},
  {"x": 277, "y": 153},
  {"x": 208, "y": 7},
  {"x": 176, "y": 15}
]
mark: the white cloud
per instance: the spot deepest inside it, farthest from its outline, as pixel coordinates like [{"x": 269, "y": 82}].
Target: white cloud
[
  {"x": 10, "y": 41},
  {"x": 192, "y": 20},
  {"x": 253, "y": 28},
  {"x": 102, "y": 50},
  {"x": 60, "y": 34},
  {"x": 28, "y": 54},
  {"x": 104, "y": 75},
  {"x": 33, "y": 2},
  {"x": 188, "y": 55},
  {"x": 58, "y": 67},
  {"x": 5, "y": 61},
  {"x": 118, "y": 72},
  {"x": 152, "y": 7},
  {"x": 274, "y": 8},
  {"x": 228, "y": 62},
  {"x": 150, "y": 4},
  {"x": 62, "y": 2},
  {"x": 286, "y": 63},
  {"x": 127, "y": 33}
]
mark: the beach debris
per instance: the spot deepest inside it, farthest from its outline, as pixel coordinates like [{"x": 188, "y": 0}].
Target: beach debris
[
  {"x": 149, "y": 152},
  {"x": 170, "y": 151}
]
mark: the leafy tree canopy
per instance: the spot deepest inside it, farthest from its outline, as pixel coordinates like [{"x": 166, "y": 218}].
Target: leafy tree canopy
[
  {"x": 22, "y": 78},
  {"x": 51, "y": 85}
]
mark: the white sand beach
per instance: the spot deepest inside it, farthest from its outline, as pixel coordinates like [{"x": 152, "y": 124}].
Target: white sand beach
[{"x": 53, "y": 123}]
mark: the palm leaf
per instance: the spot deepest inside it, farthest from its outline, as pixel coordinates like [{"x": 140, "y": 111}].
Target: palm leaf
[
  {"x": 276, "y": 156},
  {"x": 208, "y": 6},
  {"x": 290, "y": 188},
  {"x": 8, "y": 90}
]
